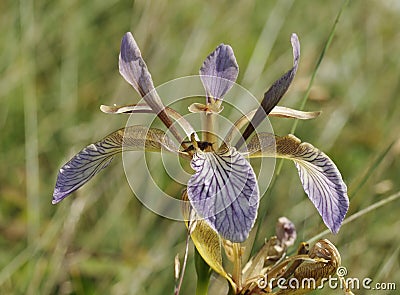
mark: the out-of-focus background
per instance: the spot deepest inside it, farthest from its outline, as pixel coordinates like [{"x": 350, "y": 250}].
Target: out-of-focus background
[{"x": 58, "y": 63}]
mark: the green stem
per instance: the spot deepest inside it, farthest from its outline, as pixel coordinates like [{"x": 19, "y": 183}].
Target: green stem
[
  {"x": 202, "y": 287},
  {"x": 231, "y": 290},
  {"x": 370, "y": 171},
  {"x": 203, "y": 274}
]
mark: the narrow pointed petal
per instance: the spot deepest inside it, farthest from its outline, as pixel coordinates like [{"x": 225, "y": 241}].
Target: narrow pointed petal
[
  {"x": 126, "y": 109},
  {"x": 133, "y": 68},
  {"x": 219, "y": 72},
  {"x": 319, "y": 176},
  {"x": 95, "y": 157},
  {"x": 143, "y": 108},
  {"x": 224, "y": 191},
  {"x": 284, "y": 112},
  {"x": 277, "y": 111},
  {"x": 274, "y": 93}
]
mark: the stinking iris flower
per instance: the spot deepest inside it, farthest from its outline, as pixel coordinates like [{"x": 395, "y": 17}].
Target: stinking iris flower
[{"x": 223, "y": 191}]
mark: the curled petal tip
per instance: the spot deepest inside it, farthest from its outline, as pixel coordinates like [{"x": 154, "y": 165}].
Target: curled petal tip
[
  {"x": 294, "y": 39},
  {"x": 296, "y": 47},
  {"x": 105, "y": 109},
  {"x": 58, "y": 196}
]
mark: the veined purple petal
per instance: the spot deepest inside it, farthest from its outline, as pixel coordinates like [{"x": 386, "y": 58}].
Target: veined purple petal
[
  {"x": 319, "y": 175},
  {"x": 219, "y": 72},
  {"x": 323, "y": 184},
  {"x": 81, "y": 168},
  {"x": 95, "y": 157},
  {"x": 224, "y": 191},
  {"x": 133, "y": 68},
  {"x": 274, "y": 93}
]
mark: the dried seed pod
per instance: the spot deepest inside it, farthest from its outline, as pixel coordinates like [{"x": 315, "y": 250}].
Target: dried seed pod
[
  {"x": 310, "y": 275},
  {"x": 327, "y": 260}
]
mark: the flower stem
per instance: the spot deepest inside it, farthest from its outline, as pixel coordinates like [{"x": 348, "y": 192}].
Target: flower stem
[
  {"x": 209, "y": 128},
  {"x": 203, "y": 274},
  {"x": 237, "y": 265}
]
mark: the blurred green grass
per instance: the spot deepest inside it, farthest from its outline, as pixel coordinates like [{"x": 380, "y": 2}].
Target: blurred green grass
[{"x": 58, "y": 63}]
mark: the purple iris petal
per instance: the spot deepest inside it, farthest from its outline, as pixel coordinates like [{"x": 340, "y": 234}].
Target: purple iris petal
[
  {"x": 224, "y": 191},
  {"x": 274, "y": 93},
  {"x": 132, "y": 66},
  {"x": 219, "y": 72},
  {"x": 95, "y": 157},
  {"x": 82, "y": 167},
  {"x": 323, "y": 184}
]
